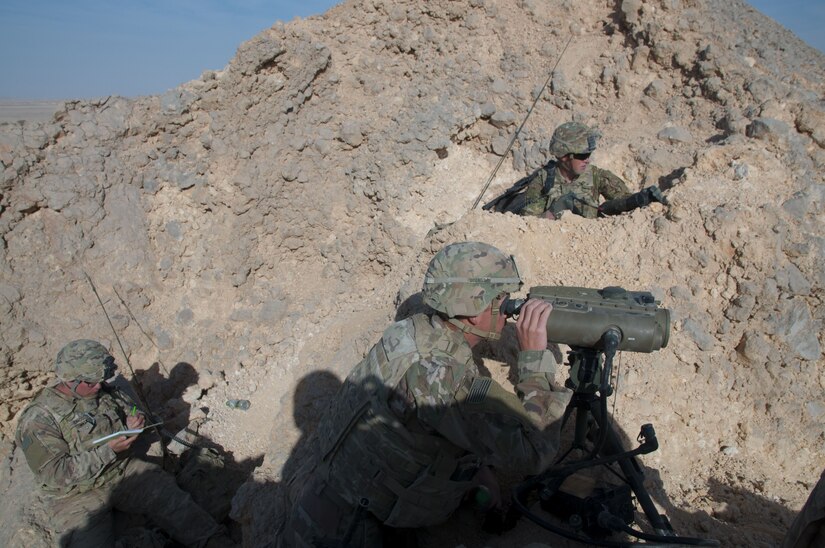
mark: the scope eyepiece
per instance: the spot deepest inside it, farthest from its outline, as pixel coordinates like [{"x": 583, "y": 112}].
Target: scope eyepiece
[{"x": 511, "y": 307}]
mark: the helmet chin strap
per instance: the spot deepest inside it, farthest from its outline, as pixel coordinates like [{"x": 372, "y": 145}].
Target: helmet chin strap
[
  {"x": 72, "y": 386},
  {"x": 491, "y": 334},
  {"x": 463, "y": 327}
]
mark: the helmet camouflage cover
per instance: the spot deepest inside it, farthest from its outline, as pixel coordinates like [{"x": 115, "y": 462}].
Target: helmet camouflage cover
[
  {"x": 84, "y": 360},
  {"x": 464, "y": 278},
  {"x": 573, "y": 138}
]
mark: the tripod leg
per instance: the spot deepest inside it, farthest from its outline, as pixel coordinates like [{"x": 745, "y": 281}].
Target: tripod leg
[
  {"x": 580, "y": 433},
  {"x": 633, "y": 474}
]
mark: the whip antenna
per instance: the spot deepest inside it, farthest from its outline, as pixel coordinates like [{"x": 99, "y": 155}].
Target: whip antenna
[
  {"x": 518, "y": 130},
  {"x": 138, "y": 386}
]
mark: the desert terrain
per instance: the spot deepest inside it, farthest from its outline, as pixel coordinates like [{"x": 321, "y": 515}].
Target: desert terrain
[{"x": 252, "y": 232}]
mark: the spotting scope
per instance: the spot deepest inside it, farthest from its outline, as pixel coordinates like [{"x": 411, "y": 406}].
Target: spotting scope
[{"x": 581, "y": 316}]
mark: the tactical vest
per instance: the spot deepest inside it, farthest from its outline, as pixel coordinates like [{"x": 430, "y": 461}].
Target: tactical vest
[
  {"x": 80, "y": 421},
  {"x": 367, "y": 453},
  {"x": 514, "y": 198},
  {"x": 579, "y": 195}
]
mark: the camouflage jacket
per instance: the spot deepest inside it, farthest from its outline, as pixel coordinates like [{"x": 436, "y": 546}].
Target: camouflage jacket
[
  {"x": 587, "y": 187},
  {"x": 415, "y": 419},
  {"x": 56, "y": 432}
]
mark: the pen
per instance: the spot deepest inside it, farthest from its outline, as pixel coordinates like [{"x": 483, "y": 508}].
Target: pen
[{"x": 134, "y": 408}]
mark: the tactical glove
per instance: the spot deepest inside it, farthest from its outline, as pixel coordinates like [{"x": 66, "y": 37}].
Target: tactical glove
[
  {"x": 629, "y": 203},
  {"x": 655, "y": 195}
]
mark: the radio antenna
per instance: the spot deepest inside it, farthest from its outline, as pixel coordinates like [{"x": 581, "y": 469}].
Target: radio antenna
[{"x": 524, "y": 121}]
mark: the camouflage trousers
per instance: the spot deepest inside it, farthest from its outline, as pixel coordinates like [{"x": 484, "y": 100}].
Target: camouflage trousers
[
  {"x": 808, "y": 529},
  {"x": 86, "y": 519}
]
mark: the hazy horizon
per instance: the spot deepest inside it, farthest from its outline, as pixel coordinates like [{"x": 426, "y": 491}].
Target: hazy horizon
[{"x": 53, "y": 51}]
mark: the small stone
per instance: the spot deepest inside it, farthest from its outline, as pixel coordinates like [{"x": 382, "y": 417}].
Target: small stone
[
  {"x": 698, "y": 334},
  {"x": 351, "y": 133},
  {"x": 675, "y": 134},
  {"x": 767, "y": 129},
  {"x": 206, "y": 380},
  {"x": 729, "y": 450},
  {"x": 502, "y": 119},
  {"x": 174, "y": 230},
  {"x": 5, "y": 412},
  {"x": 185, "y": 316},
  {"x": 656, "y": 89},
  {"x": 754, "y": 347},
  {"x": 740, "y": 171},
  {"x": 192, "y": 394}
]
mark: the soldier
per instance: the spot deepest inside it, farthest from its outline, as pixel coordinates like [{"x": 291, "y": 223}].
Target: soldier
[
  {"x": 416, "y": 427},
  {"x": 571, "y": 182},
  {"x": 83, "y": 481}
]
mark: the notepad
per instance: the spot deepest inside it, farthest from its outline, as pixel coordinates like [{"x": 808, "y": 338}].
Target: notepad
[{"x": 130, "y": 432}]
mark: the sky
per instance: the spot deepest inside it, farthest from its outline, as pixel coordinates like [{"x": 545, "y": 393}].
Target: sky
[{"x": 72, "y": 49}]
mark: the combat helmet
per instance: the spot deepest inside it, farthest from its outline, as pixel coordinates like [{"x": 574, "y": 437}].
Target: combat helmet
[
  {"x": 464, "y": 278},
  {"x": 84, "y": 360},
  {"x": 573, "y": 138}
]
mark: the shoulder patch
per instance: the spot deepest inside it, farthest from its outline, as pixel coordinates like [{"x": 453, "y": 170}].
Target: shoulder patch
[
  {"x": 478, "y": 390},
  {"x": 36, "y": 452},
  {"x": 398, "y": 341}
]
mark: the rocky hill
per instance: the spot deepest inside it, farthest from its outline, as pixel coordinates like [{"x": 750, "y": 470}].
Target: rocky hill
[{"x": 262, "y": 223}]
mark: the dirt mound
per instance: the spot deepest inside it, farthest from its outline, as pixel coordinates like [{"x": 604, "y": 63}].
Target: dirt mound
[{"x": 257, "y": 223}]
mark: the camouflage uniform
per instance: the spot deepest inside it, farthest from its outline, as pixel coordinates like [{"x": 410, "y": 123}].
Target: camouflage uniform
[
  {"x": 587, "y": 187},
  {"x": 412, "y": 424},
  {"x": 808, "y": 529},
  {"x": 81, "y": 482},
  {"x": 572, "y": 138}
]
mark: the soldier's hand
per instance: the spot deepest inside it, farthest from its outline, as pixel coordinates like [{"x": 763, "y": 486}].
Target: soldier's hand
[
  {"x": 136, "y": 421},
  {"x": 121, "y": 443},
  {"x": 653, "y": 194},
  {"x": 531, "y": 326}
]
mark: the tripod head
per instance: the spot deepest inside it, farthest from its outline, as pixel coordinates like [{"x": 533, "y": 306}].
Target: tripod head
[{"x": 586, "y": 362}]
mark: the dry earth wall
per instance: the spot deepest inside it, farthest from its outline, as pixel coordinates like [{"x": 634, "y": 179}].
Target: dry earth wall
[{"x": 262, "y": 223}]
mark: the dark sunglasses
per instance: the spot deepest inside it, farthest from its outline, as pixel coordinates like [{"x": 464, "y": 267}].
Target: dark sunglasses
[{"x": 581, "y": 157}]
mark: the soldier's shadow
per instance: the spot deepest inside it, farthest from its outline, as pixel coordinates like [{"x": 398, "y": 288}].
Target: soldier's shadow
[
  {"x": 261, "y": 505},
  {"x": 164, "y": 392}
]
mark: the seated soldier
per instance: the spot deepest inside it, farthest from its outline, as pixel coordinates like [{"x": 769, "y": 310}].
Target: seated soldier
[
  {"x": 416, "y": 427},
  {"x": 83, "y": 479},
  {"x": 571, "y": 182}
]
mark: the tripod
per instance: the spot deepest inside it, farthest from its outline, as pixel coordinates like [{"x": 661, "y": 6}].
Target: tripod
[{"x": 601, "y": 511}]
